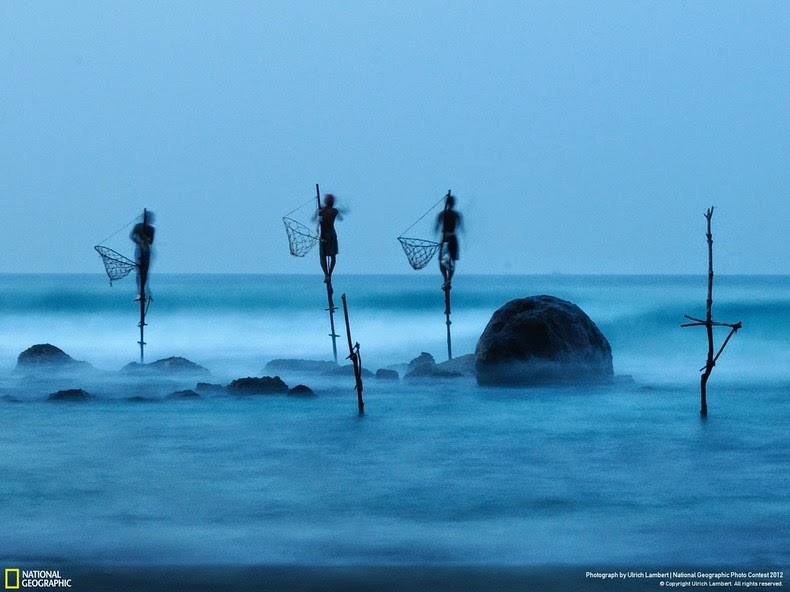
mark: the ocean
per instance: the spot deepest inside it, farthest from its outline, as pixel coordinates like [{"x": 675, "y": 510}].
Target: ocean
[{"x": 440, "y": 485}]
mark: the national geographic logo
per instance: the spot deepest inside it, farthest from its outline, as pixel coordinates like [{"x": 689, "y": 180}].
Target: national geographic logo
[{"x": 16, "y": 579}]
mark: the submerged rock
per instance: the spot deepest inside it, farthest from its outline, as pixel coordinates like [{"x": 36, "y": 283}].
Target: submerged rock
[
  {"x": 47, "y": 355},
  {"x": 72, "y": 395},
  {"x": 301, "y": 390},
  {"x": 387, "y": 374},
  {"x": 185, "y": 394},
  {"x": 295, "y": 365},
  {"x": 540, "y": 340},
  {"x": 258, "y": 386},
  {"x": 168, "y": 366}
]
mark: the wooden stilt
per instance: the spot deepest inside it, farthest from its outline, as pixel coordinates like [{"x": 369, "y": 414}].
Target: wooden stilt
[
  {"x": 328, "y": 280},
  {"x": 143, "y": 303},
  {"x": 332, "y": 309},
  {"x": 448, "y": 322}
]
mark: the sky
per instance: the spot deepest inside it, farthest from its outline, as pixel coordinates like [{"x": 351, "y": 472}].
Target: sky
[{"x": 578, "y": 137}]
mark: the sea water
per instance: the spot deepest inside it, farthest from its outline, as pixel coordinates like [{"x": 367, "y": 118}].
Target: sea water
[{"x": 439, "y": 473}]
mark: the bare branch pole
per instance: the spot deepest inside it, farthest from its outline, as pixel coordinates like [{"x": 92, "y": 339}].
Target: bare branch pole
[
  {"x": 356, "y": 360},
  {"x": 709, "y": 323}
]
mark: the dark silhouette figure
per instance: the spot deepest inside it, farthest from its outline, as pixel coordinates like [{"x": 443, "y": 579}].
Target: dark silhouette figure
[
  {"x": 143, "y": 237},
  {"x": 328, "y": 243},
  {"x": 448, "y": 222}
]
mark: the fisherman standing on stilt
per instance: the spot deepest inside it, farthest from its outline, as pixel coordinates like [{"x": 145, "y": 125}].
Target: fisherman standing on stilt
[
  {"x": 328, "y": 237},
  {"x": 448, "y": 222},
  {"x": 143, "y": 237}
]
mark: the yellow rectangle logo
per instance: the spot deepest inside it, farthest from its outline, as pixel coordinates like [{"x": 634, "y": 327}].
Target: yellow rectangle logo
[{"x": 11, "y": 579}]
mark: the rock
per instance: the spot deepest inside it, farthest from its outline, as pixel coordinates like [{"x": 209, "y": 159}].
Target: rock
[
  {"x": 45, "y": 354},
  {"x": 167, "y": 366},
  {"x": 387, "y": 374},
  {"x": 185, "y": 394},
  {"x": 301, "y": 390},
  {"x": 424, "y": 366},
  {"x": 258, "y": 386},
  {"x": 71, "y": 395},
  {"x": 542, "y": 340},
  {"x": 180, "y": 365},
  {"x": 292, "y": 365},
  {"x": 422, "y": 359}
]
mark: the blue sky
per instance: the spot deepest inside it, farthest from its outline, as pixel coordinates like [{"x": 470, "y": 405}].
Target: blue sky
[{"x": 579, "y": 137}]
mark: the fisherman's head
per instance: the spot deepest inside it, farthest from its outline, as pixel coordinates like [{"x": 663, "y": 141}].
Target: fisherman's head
[
  {"x": 148, "y": 217},
  {"x": 329, "y": 200},
  {"x": 450, "y": 200}
]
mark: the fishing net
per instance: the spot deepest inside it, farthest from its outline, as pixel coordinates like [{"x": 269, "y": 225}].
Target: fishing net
[
  {"x": 300, "y": 238},
  {"x": 418, "y": 251},
  {"x": 116, "y": 265}
]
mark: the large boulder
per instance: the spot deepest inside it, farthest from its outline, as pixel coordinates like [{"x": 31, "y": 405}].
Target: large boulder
[{"x": 542, "y": 340}]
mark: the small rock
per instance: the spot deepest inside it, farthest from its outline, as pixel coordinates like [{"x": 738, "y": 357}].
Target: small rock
[
  {"x": 387, "y": 374},
  {"x": 185, "y": 394},
  {"x": 424, "y": 366},
  {"x": 258, "y": 386},
  {"x": 71, "y": 395},
  {"x": 423, "y": 359},
  {"x": 301, "y": 390},
  {"x": 168, "y": 366}
]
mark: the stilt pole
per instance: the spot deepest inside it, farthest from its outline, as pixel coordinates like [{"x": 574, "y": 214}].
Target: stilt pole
[
  {"x": 332, "y": 308},
  {"x": 143, "y": 303},
  {"x": 448, "y": 322},
  {"x": 329, "y": 290},
  {"x": 356, "y": 361}
]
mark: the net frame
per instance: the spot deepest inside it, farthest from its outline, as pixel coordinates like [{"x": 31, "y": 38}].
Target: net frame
[
  {"x": 116, "y": 265},
  {"x": 418, "y": 251},
  {"x": 300, "y": 238}
]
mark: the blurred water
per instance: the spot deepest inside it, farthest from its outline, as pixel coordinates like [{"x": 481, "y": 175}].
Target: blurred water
[{"x": 441, "y": 473}]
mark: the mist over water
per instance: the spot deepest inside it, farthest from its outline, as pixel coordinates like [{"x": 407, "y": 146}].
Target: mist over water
[{"x": 434, "y": 473}]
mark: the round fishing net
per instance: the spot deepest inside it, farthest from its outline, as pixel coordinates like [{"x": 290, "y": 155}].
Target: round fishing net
[
  {"x": 300, "y": 238},
  {"x": 418, "y": 251},
  {"x": 116, "y": 265}
]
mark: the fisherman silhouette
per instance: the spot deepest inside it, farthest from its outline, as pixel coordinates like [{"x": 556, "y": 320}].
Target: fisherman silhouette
[
  {"x": 143, "y": 237},
  {"x": 448, "y": 222},
  {"x": 328, "y": 243}
]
